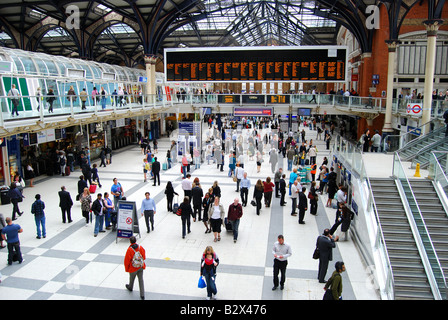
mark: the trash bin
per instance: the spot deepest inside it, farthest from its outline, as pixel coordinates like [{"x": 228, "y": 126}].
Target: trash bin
[{"x": 4, "y": 195}]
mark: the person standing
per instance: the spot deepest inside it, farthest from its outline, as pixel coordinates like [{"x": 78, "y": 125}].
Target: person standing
[
  {"x": 292, "y": 177},
  {"x": 148, "y": 209},
  {"x": 281, "y": 251},
  {"x": 366, "y": 141},
  {"x": 234, "y": 215},
  {"x": 268, "y": 188},
  {"x": 134, "y": 264},
  {"x": 82, "y": 184},
  {"x": 86, "y": 202},
  {"x": 155, "y": 169},
  {"x": 83, "y": 98},
  {"x": 376, "y": 141},
  {"x": 325, "y": 243},
  {"x": 303, "y": 205},
  {"x": 239, "y": 175},
  {"x": 65, "y": 203},
  {"x": 209, "y": 262},
  {"x": 10, "y": 234},
  {"x": 295, "y": 188},
  {"x": 95, "y": 176},
  {"x": 277, "y": 177},
  {"x": 206, "y": 203},
  {"x": 117, "y": 191},
  {"x": 312, "y": 195},
  {"x": 244, "y": 189},
  {"x": 98, "y": 210},
  {"x": 282, "y": 190},
  {"x": 37, "y": 208},
  {"x": 333, "y": 287},
  {"x": 109, "y": 214},
  {"x": 16, "y": 196}
]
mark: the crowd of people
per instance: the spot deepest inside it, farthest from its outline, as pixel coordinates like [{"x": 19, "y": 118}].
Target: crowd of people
[{"x": 206, "y": 204}]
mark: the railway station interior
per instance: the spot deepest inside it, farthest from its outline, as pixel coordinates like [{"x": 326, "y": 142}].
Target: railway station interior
[{"x": 363, "y": 82}]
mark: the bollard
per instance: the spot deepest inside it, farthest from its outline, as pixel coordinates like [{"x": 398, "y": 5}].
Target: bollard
[{"x": 417, "y": 170}]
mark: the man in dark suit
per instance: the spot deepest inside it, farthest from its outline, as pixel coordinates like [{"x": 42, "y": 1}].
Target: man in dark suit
[
  {"x": 66, "y": 203},
  {"x": 155, "y": 168},
  {"x": 325, "y": 243},
  {"x": 303, "y": 205},
  {"x": 282, "y": 189}
]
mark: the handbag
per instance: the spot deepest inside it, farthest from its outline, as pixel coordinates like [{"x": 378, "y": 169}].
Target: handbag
[
  {"x": 316, "y": 253},
  {"x": 253, "y": 203},
  {"x": 201, "y": 283},
  {"x": 235, "y": 179},
  {"x": 310, "y": 196},
  {"x": 179, "y": 212}
]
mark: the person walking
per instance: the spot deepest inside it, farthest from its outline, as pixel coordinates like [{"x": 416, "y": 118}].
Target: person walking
[
  {"x": 187, "y": 185},
  {"x": 216, "y": 217},
  {"x": 333, "y": 287},
  {"x": 281, "y": 251},
  {"x": 268, "y": 188},
  {"x": 50, "y": 99},
  {"x": 209, "y": 263},
  {"x": 16, "y": 196},
  {"x": 197, "y": 194},
  {"x": 303, "y": 205},
  {"x": 82, "y": 184},
  {"x": 325, "y": 243},
  {"x": 134, "y": 264},
  {"x": 239, "y": 175},
  {"x": 148, "y": 209},
  {"x": 95, "y": 176},
  {"x": 2, "y": 225},
  {"x": 37, "y": 208},
  {"x": 86, "y": 203},
  {"x": 169, "y": 193},
  {"x": 98, "y": 210},
  {"x": 206, "y": 203},
  {"x": 155, "y": 169},
  {"x": 10, "y": 234},
  {"x": 185, "y": 212},
  {"x": 258, "y": 195},
  {"x": 234, "y": 215},
  {"x": 244, "y": 189},
  {"x": 65, "y": 203},
  {"x": 14, "y": 96}
]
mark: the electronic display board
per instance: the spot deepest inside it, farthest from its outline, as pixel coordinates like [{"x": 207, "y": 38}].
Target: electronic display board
[{"x": 257, "y": 64}]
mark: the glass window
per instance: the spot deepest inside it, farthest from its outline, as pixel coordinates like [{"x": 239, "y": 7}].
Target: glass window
[
  {"x": 52, "y": 69},
  {"x": 42, "y": 67},
  {"x": 30, "y": 68},
  {"x": 18, "y": 64}
]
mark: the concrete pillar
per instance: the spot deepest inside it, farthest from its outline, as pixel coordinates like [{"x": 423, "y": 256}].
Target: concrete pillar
[
  {"x": 150, "y": 62},
  {"x": 432, "y": 26},
  {"x": 392, "y": 47}
]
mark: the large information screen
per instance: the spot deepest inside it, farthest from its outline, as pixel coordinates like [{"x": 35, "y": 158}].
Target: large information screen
[{"x": 262, "y": 64}]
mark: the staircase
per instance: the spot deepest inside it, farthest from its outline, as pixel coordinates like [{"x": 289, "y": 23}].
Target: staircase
[
  {"x": 409, "y": 274},
  {"x": 435, "y": 217},
  {"x": 418, "y": 150}
]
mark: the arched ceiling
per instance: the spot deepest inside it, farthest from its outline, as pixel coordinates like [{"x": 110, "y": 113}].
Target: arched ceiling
[{"x": 123, "y": 31}]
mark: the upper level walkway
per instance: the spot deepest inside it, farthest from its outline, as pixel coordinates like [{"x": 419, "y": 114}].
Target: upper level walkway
[{"x": 36, "y": 113}]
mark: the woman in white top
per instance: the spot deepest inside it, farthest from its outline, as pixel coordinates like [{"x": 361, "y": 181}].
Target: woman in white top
[{"x": 216, "y": 216}]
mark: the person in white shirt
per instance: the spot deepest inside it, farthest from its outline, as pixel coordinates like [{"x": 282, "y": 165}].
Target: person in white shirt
[
  {"x": 281, "y": 251},
  {"x": 295, "y": 189},
  {"x": 187, "y": 185}
]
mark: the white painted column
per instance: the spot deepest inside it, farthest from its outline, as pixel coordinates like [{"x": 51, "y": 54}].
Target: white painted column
[
  {"x": 392, "y": 47},
  {"x": 432, "y": 26}
]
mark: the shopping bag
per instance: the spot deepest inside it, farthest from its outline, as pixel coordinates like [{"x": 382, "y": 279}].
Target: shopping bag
[{"x": 201, "y": 283}]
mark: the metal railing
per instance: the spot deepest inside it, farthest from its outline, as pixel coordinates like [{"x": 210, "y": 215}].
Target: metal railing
[
  {"x": 351, "y": 155},
  {"x": 422, "y": 238}
]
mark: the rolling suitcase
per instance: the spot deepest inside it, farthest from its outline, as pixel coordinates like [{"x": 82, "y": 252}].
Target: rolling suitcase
[
  {"x": 165, "y": 166},
  {"x": 228, "y": 224},
  {"x": 176, "y": 205},
  {"x": 67, "y": 170},
  {"x": 92, "y": 188}
]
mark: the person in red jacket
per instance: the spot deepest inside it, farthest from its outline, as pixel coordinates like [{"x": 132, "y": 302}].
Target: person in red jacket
[
  {"x": 234, "y": 215},
  {"x": 134, "y": 263},
  {"x": 268, "y": 188}
]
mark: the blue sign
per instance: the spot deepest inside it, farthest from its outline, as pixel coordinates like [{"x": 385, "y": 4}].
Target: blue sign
[{"x": 142, "y": 79}]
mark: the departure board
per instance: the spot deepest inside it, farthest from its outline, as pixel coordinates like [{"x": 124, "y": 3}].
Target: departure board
[{"x": 256, "y": 64}]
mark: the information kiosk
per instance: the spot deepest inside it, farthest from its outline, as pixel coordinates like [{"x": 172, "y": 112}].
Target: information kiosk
[{"x": 127, "y": 220}]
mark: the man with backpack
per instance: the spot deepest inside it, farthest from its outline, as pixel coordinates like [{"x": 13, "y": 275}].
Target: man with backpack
[{"x": 134, "y": 263}]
